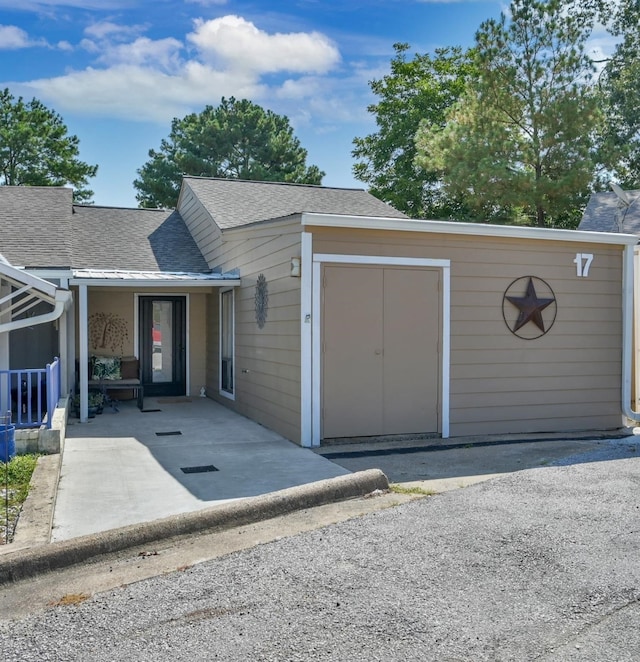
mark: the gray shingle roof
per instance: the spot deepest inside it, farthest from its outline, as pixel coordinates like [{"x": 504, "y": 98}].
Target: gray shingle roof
[
  {"x": 138, "y": 239},
  {"x": 40, "y": 227},
  {"x": 601, "y": 213},
  {"x": 234, "y": 202},
  {"x": 35, "y": 225}
]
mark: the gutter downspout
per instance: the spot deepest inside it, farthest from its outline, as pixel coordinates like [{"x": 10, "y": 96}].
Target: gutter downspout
[
  {"x": 627, "y": 332},
  {"x": 63, "y": 300}
]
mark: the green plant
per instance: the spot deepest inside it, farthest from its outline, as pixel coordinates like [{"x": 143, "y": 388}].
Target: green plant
[
  {"x": 15, "y": 477},
  {"x": 401, "y": 489},
  {"x": 96, "y": 399}
]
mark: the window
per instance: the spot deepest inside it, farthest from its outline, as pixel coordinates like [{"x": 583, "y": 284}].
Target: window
[{"x": 226, "y": 343}]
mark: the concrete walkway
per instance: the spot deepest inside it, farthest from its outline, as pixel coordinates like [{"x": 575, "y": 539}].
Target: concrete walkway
[{"x": 126, "y": 467}]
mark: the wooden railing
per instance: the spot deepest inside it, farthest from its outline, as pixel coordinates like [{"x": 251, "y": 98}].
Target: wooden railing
[{"x": 30, "y": 394}]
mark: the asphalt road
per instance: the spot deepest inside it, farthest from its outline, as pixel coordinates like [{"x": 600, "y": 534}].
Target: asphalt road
[{"x": 541, "y": 564}]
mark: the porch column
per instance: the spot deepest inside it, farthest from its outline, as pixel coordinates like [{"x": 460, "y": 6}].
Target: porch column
[
  {"x": 5, "y": 289},
  {"x": 71, "y": 347},
  {"x": 84, "y": 353},
  {"x": 64, "y": 354}
]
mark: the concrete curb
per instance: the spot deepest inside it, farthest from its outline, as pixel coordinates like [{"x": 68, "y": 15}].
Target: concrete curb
[
  {"x": 24, "y": 564},
  {"x": 36, "y": 516}
]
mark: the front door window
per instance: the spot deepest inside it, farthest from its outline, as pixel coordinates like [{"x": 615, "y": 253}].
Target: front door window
[{"x": 162, "y": 337}]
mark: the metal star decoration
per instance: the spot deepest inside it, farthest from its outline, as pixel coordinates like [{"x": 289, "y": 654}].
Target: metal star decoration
[{"x": 530, "y": 307}]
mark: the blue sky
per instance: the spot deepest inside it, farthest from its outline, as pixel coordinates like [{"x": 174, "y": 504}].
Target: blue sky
[{"x": 118, "y": 71}]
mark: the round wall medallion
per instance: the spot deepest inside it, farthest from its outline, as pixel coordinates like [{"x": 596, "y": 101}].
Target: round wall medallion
[
  {"x": 262, "y": 300},
  {"x": 529, "y": 307}
]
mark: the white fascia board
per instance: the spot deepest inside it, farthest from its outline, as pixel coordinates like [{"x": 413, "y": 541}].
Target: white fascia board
[
  {"x": 147, "y": 283},
  {"x": 470, "y": 229},
  {"x": 46, "y": 274},
  {"x": 23, "y": 276}
]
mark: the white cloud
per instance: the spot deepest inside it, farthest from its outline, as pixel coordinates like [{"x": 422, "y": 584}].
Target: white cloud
[
  {"x": 42, "y": 5},
  {"x": 162, "y": 53},
  {"x": 12, "y": 37},
  {"x": 207, "y": 3},
  {"x": 134, "y": 92},
  {"x": 242, "y": 45},
  {"x": 108, "y": 29},
  {"x": 135, "y": 77}
]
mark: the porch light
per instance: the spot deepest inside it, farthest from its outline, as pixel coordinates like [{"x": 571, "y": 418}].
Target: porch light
[{"x": 295, "y": 267}]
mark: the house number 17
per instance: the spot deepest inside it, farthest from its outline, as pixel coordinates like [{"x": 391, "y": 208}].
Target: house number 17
[{"x": 583, "y": 262}]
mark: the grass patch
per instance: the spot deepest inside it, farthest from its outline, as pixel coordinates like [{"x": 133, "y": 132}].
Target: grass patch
[
  {"x": 401, "y": 489},
  {"x": 15, "y": 477}
]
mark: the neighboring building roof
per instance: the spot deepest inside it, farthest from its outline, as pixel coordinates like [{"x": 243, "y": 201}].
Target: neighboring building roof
[
  {"x": 35, "y": 225},
  {"x": 133, "y": 239},
  {"x": 234, "y": 202},
  {"x": 605, "y": 209}
]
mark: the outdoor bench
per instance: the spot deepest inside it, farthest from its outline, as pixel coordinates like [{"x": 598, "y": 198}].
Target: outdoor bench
[{"x": 115, "y": 373}]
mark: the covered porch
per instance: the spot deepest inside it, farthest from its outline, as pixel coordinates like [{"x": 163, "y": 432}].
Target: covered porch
[{"x": 155, "y": 320}]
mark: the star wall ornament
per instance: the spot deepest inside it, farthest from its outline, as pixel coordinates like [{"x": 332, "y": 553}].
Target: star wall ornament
[{"x": 529, "y": 307}]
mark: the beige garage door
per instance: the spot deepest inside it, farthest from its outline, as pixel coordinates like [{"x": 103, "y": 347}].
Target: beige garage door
[{"x": 381, "y": 334}]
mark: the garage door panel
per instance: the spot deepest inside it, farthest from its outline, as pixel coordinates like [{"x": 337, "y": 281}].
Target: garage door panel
[
  {"x": 352, "y": 347},
  {"x": 411, "y": 365}
]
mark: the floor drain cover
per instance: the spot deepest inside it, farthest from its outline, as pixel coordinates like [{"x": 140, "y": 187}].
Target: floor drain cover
[
  {"x": 198, "y": 470},
  {"x": 168, "y": 434}
]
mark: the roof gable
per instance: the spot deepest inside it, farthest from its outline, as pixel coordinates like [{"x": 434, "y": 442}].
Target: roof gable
[{"x": 234, "y": 203}]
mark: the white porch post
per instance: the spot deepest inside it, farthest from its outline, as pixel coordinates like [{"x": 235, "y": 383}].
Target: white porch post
[
  {"x": 84, "y": 353},
  {"x": 63, "y": 349},
  {"x": 306, "y": 371},
  {"x": 5, "y": 289},
  {"x": 71, "y": 347}
]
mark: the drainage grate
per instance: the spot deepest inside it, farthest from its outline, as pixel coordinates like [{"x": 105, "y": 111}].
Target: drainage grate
[
  {"x": 168, "y": 434},
  {"x": 198, "y": 470}
]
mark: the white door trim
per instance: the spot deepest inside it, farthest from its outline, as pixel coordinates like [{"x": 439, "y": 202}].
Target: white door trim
[{"x": 311, "y": 335}]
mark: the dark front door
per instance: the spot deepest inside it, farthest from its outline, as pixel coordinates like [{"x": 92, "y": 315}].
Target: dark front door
[{"x": 163, "y": 345}]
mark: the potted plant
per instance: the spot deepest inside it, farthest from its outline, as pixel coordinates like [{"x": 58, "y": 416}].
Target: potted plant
[{"x": 96, "y": 402}]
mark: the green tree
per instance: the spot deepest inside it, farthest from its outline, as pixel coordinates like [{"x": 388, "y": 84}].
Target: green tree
[
  {"x": 418, "y": 90},
  {"x": 235, "y": 140},
  {"x": 620, "y": 86},
  {"x": 521, "y": 145},
  {"x": 35, "y": 149}
]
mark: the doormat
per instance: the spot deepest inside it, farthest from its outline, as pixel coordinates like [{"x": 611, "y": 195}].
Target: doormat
[
  {"x": 168, "y": 434},
  {"x": 173, "y": 401},
  {"x": 198, "y": 470}
]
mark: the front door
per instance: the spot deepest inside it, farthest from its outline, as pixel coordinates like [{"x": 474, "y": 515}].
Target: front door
[{"x": 163, "y": 345}]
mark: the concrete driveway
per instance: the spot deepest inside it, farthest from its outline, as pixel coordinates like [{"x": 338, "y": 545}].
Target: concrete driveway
[{"x": 180, "y": 455}]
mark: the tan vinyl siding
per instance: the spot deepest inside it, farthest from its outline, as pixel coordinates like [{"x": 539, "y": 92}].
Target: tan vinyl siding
[
  {"x": 267, "y": 360},
  {"x": 199, "y": 222},
  {"x": 569, "y": 379},
  {"x": 196, "y": 324}
]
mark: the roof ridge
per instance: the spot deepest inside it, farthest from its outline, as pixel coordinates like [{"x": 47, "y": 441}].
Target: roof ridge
[{"x": 259, "y": 181}]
